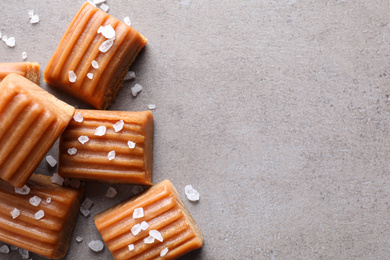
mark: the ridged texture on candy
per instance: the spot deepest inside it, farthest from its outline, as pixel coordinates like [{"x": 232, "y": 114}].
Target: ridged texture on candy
[
  {"x": 163, "y": 211},
  {"x": 48, "y": 236},
  {"x": 80, "y": 46},
  {"x": 29, "y": 70},
  {"x": 31, "y": 119},
  {"x": 91, "y": 162}
]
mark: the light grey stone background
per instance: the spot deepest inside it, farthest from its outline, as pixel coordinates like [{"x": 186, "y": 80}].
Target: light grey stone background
[{"x": 277, "y": 112}]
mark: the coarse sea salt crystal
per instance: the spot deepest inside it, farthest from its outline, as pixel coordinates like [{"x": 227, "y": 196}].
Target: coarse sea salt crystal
[
  {"x": 14, "y": 248},
  {"x": 72, "y": 76},
  {"x": 15, "y": 213},
  {"x": 118, "y": 125},
  {"x": 51, "y": 161},
  {"x": 79, "y": 239},
  {"x": 35, "y": 201},
  {"x": 4, "y": 38},
  {"x": 66, "y": 181},
  {"x": 100, "y": 130},
  {"x": 85, "y": 212},
  {"x": 164, "y": 252},
  {"x": 137, "y": 189},
  {"x": 34, "y": 19},
  {"x": 96, "y": 2},
  {"x": 24, "y": 55},
  {"x": 90, "y": 75},
  {"x": 96, "y": 245},
  {"x": 149, "y": 240},
  {"x": 30, "y": 13},
  {"x": 144, "y": 225},
  {"x": 111, "y": 192},
  {"x": 24, "y": 253},
  {"x": 136, "y": 229},
  {"x": 138, "y": 213},
  {"x": 136, "y": 89},
  {"x": 151, "y": 106},
  {"x": 57, "y": 179},
  {"x": 87, "y": 203},
  {"x": 131, "y": 144},
  {"x": 72, "y": 151},
  {"x": 191, "y": 193},
  {"x": 40, "y": 214},
  {"x": 156, "y": 234},
  {"x": 127, "y": 21},
  {"x": 83, "y": 139},
  {"x": 104, "y": 7},
  {"x": 131, "y": 247},
  {"x": 95, "y": 64},
  {"x": 106, "y": 45},
  {"x": 10, "y": 42},
  {"x": 75, "y": 183},
  {"x": 107, "y": 31},
  {"x": 48, "y": 200},
  {"x": 4, "y": 249},
  {"x": 92, "y": 3},
  {"x": 78, "y": 117},
  {"x": 130, "y": 75},
  {"x": 111, "y": 155},
  {"x": 23, "y": 191}
]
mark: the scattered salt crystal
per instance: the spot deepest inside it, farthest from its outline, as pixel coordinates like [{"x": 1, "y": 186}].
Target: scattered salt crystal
[
  {"x": 48, "y": 200},
  {"x": 78, "y": 117},
  {"x": 96, "y": 245},
  {"x": 151, "y": 106},
  {"x": 164, "y": 252},
  {"x": 100, "y": 130},
  {"x": 79, "y": 239},
  {"x": 136, "y": 229},
  {"x": 75, "y": 183},
  {"x": 15, "y": 213},
  {"x": 118, "y": 125},
  {"x": 87, "y": 204},
  {"x": 24, "y": 253},
  {"x": 90, "y": 75},
  {"x": 106, "y": 45},
  {"x": 51, "y": 161},
  {"x": 149, "y": 240},
  {"x": 111, "y": 192},
  {"x": 137, "y": 189},
  {"x": 72, "y": 76},
  {"x": 10, "y": 42},
  {"x": 83, "y": 139},
  {"x": 111, "y": 155},
  {"x": 144, "y": 225},
  {"x": 96, "y": 2},
  {"x": 191, "y": 193},
  {"x": 95, "y": 64},
  {"x": 14, "y": 248},
  {"x": 30, "y": 13},
  {"x": 104, "y": 7},
  {"x": 92, "y": 3},
  {"x": 35, "y": 201},
  {"x": 72, "y": 151},
  {"x": 107, "y": 31},
  {"x": 85, "y": 212},
  {"x": 24, "y": 55},
  {"x": 66, "y": 181},
  {"x": 4, "y": 249},
  {"x": 4, "y": 38},
  {"x": 131, "y": 144},
  {"x": 156, "y": 234},
  {"x": 34, "y": 19},
  {"x": 57, "y": 179},
  {"x": 0, "y": 35},
  {"x": 131, "y": 247},
  {"x": 130, "y": 75},
  {"x": 127, "y": 21},
  {"x": 138, "y": 213},
  {"x": 136, "y": 89},
  {"x": 40, "y": 214},
  {"x": 23, "y": 191}
]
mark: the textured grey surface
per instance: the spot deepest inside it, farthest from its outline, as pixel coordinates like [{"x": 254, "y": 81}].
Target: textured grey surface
[{"x": 275, "y": 111}]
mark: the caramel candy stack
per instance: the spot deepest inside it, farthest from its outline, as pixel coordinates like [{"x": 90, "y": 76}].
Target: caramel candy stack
[
  {"x": 48, "y": 236},
  {"x": 165, "y": 215},
  {"x": 90, "y": 160},
  {"x": 29, "y": 70},
  {"x": 81, "y": 45},
  {"x": 31, "y": 119}
]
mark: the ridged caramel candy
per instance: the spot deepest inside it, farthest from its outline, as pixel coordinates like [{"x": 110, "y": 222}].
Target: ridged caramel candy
[
  {"x": 164, "y": 211},
  {"x": 48, "y": 236},
  {"x": 29, "y": 70},
  {"x": 31, "y": 119},
  {"x": 91, "y": 162},
  {"x": 80, "y": 46}
]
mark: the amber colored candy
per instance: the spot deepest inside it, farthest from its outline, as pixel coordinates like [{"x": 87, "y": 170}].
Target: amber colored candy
[
  {"x": 48, "y": 236},
  {"x": 80, "y": 46},
  {"x": 31, "y": 119},
  {"x": 29, "y": 70},
  {"x": 164, "y": 211},
  {"x": 91, "y": 162}
]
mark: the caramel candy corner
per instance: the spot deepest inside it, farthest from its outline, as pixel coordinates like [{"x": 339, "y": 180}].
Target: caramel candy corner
[
  {"x": 31, "y": 119},
  {"x": 88, "y": 64},
  {"x": 109, "y": 146},
  {"x": 29, "y": 70},
  {"x": 42, "y": 225},
  {"x": 153, "y": 224}
]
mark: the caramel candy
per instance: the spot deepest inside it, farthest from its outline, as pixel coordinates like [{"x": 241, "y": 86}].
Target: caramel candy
[
  {"x": 154, "y": 224},
  {"x": 40, "y": 220},
  {"x": 31, "y": 119},
  {"x": 94, "y": 56},
  {"x": 111, "y": 146},
  {"x": 29, "y": 70}
]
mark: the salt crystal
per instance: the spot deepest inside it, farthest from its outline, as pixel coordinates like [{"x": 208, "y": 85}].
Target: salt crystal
[
  {"x": 34, "y": 19},
  {"x": 136, "y": 229},
  {"x": 15, "y": 213},
  {"x": 144, "y": 225},
  {"x": 95, "y": 64},
  {"x": 156, "y": 234},
  {"x": 191, "y": 193},
  {"x": 0, "y": 35},
  {"x": 24, "y": 253},
  {"x": 130, "y": 75},
  {"x": 78, "y": 117},
  {"x": 105, "y": 46},
  {"x": 10, "y": 42},
  {"x": 85, "y": 212},
  {"x": 72, "y": 151},
  {"x": 4, "y": 249},
  {"x": 96, "y": 2},
  {"x": 137, "y": 189},
  {"x": 79, "y": 239},
  {"x": 57, "y": 179},
  {"x": 111, "y": 192},
  {"x": 131, "y": 247},
  {"x": 83, "y": 139},
  {"x": 100, "y": 130},
  {"x": 4, "y": 38},
  {"x": 92, "y": 3},
  {"x": 164, "y": 252},
  {"x": 51, "y": 161},
  {"x": 23, "y": 191},
  {"x": 90, "y": 75},
  {"x": 111, "y": 155},
  {"x": 35, "y": 201},
  {"x": 24, "y": 55},
  {"x": 75, "y": 183},
  {"x": 66, "y": 181},
  {"x": 118, "y": 125},
  {"x": 138, "y": 213},
  {"x": 107, "y": 31},
  {"x": 149, "y": 240},
  {"x": 127, "y": 21},
  {"x": 87, "y": 204},
  {"x": 104, "y": 7},
  {"x": 48, "y": 200},
  {"x": 151, "y": 106},
  {"x": 136, "y": 89},
  {"x": 72, "y": 76},
  {"x": 131, "y": 144},
  {"x": 40, "y": 214},
  {"x": 30, "y": 13},
  {"x": 96, "y": 245},
  {"x": 14, "y": 248}
]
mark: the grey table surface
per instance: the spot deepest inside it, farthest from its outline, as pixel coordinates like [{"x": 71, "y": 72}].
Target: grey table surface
[{"x": 277, "y": 112}]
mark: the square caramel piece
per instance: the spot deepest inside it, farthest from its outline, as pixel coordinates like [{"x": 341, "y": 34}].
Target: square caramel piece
[
  {"x": 39, "y": 217},
  {"x": 108, "y": 146},
  {"x": 94, "y": 56},
  {"x": 31, "y": 119},
  {"x": 29, "y": 70},
  {"x": 152, "y": 225}
]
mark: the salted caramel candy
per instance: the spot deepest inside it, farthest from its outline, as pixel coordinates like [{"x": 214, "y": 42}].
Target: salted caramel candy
[
  {"x": 153, "y": 224},
  {"x": 31, "y": 119},
  {"x": 39, "y": 218},
  {"x": 29, "y": 70},
  {"x": 94, "y": 56},
  {"x": 109, "y": 146}
]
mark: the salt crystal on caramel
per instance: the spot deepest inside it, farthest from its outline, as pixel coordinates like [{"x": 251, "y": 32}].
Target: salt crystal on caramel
[
  {"x": 94, "y": 56},
  {"x": 169, "y": 230},
  {"x": 31, "y": 119},
  {"x": 100, "y": 147},
  {"x": 29, "y": 70}
]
